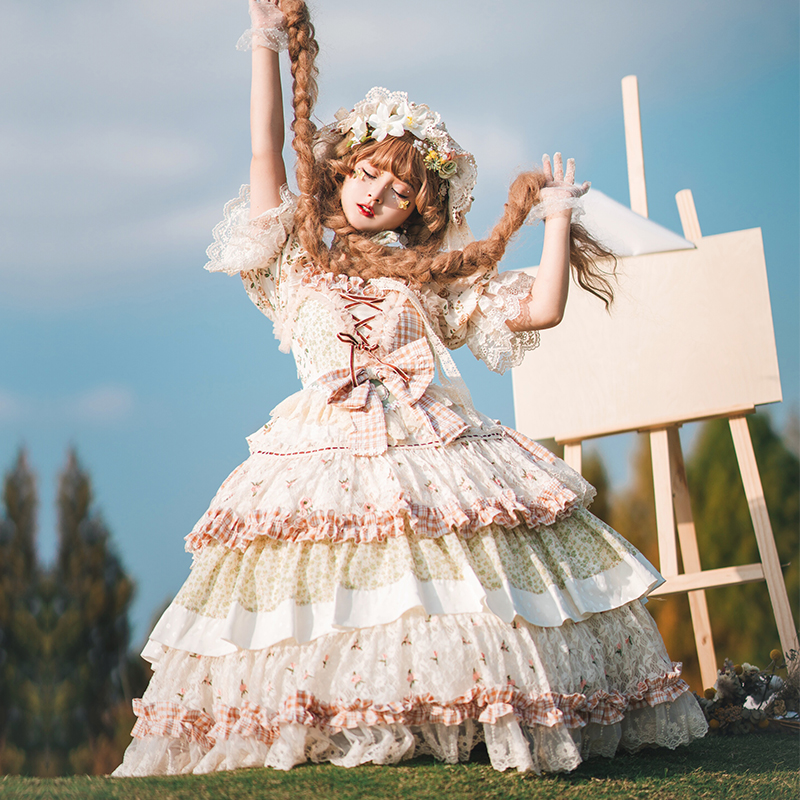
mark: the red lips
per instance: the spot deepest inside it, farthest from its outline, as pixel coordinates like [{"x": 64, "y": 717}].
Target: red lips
[{"x": 366, "y": 210}]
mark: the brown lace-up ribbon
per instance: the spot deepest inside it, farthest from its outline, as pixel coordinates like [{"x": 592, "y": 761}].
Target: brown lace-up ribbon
[{"x": 405, "y": 373}]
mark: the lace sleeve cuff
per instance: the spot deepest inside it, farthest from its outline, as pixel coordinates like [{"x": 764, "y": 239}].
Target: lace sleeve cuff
[
  {"x": 547, "y": 207},
  {"x": 242, "y": 244},
  {"x": 490, "y": 339},
  {"x": 276, "y": 39}
]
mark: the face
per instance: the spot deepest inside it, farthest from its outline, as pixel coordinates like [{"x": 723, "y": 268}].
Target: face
[{"x": 374, "y": 200}]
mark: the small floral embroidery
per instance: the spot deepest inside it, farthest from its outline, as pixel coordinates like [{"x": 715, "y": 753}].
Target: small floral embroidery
[
  {"x": 476, "y": 676},
  {"x": 207, "y": 680},
  {"x": 406, "y": 640},
  {"x": 242, "y": 688},
  {"x": 181, "y": 693},
  {"x": 465, "y": 641},
  {"x": 483, "y": 658},
  {"x": 435, "y": 657},
  {"x": 291, "y": 667},
  {"x": 410, "y": 678},
  {"x": 254, "y": 486},
  {"x": 618, "y": 649},
  {"x": 384, "y": 659},
  {"x": 510, "y": 681},
  {"x": 305, "y": 503},
  {"x": 325, "y": 661},
  {"x": 504, "y": 647},
  {"x": 531, "y": 665},
  {"x": 355, "y": 645},
  {"x": 356, "y": 679}
]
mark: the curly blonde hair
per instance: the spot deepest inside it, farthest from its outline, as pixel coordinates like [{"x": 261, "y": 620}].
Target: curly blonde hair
[{"x": 324, "y": 159}]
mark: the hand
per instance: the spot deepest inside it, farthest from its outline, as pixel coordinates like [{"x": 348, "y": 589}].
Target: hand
[
  {"x": 266, "y": 15},
  {"x": 559, "y": 195},
  {"x": 559, "y": 185}
]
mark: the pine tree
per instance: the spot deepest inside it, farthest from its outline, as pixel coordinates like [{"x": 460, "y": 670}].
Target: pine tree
[
  {"x": 21, "y": 643},
  {"x": 91, "y": 597}
]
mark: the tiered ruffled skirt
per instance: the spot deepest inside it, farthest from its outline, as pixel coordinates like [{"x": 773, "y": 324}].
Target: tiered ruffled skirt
[{"x": 369, "y": 609}]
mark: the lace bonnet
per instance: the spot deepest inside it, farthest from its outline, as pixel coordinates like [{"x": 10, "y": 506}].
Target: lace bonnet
[{"x": 383, "y": 113}]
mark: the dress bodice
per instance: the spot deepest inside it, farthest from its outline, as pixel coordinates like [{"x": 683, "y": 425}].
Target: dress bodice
[{"x": 338, "y": 320}]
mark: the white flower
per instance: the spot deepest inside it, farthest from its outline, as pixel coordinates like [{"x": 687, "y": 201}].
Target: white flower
[
  {"x": 359, "y": 129},
  {"x": 415, "y": 117},
  {"x": 385, "y": 123}
]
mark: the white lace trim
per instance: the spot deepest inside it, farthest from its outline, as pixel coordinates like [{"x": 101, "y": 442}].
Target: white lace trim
[
  {"x": 242, "y": 244},
  {"x": 492, "y": 341},
  {"x": 510, "y": 746},
  {"x": 276, "y": 39},
  {"x": 543, "y": 698},
  {"x": 553, "y": 206}
]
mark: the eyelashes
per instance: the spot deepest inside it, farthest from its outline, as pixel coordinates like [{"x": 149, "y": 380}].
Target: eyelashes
[{"x": 360, "y": 174}]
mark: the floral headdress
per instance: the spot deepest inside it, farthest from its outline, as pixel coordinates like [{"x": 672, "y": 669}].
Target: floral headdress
[{"x": 383, "y": 113}]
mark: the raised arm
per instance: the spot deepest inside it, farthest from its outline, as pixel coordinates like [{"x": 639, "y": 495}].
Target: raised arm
[
  {"x": 545, "y": 306},
  {"x": 267, "y": 168}
]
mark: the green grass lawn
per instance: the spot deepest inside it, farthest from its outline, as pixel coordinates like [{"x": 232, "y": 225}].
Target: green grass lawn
[{"x": 746, "y": 767}]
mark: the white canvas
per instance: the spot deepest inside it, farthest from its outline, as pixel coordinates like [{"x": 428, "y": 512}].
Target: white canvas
[{"x": 690, "y": 336}]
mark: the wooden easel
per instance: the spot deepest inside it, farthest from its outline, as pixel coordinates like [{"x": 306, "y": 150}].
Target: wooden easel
[{"x": 673, "y": 507}]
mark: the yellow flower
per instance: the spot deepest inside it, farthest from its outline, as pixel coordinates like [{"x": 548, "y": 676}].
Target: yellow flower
[{"x": 775, "y": 655}]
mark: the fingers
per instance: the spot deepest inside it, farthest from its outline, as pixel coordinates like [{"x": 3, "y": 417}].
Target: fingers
[
  {"x": 570, "y": 175},
  {"x": 547, "y": 168},
  {"x": 558, "y": 168}
]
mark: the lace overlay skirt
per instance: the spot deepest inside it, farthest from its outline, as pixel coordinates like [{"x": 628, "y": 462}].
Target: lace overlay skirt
[{"x": 359, "y": 610}]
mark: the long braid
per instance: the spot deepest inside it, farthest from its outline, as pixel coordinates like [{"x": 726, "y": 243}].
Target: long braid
[
  {"x": 320, "y": 176},
  {"x": 303, "y": 50}
]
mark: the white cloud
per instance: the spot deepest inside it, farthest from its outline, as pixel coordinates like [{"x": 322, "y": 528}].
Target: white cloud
[
  {"x": 11, "y": 407},
  {"x": 124, "y": 113},
  {"x": 98, "y": 406},
  {"x": 102, "y": 405}
]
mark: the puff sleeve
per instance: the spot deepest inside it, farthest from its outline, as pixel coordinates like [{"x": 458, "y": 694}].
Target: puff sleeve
[
  {"x": 254, "y": 248},
  {"x": 474, "y": 311}
]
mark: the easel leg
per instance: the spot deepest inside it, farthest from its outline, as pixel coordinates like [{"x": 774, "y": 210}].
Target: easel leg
[
  {"x": 665, "y": 515},
  {"x": 764, "y": 536},
  {"x": 690, "y": 555},
  {"x": 573, "y": 455}
]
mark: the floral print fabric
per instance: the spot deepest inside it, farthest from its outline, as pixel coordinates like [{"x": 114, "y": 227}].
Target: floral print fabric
[{"x": 364, "y": 592}]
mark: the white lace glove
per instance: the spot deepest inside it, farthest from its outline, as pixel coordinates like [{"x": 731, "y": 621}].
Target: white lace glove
[
  {"x": 268, "y": 27},
  {"x": 560, "y": 192}
]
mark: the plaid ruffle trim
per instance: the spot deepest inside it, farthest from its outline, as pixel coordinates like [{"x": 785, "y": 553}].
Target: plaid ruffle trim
[
  {"x": 486, "y": 705},
  {"x": 505, "y": 510}
]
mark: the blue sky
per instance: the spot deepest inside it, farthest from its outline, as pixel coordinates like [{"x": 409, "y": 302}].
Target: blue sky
[{"x": 124, "y": 131}]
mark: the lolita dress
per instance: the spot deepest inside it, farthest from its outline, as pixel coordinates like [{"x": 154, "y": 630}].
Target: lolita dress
[{"x": 391, "y": 573}]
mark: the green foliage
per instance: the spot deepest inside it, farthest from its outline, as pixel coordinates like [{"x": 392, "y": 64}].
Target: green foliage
[
  {"x": 21, "y": 644},
  {"x": 64, "y": 662}
]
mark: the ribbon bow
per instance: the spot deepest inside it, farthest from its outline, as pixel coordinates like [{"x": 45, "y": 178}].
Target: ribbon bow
[{"x": 406, "y": 373}]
